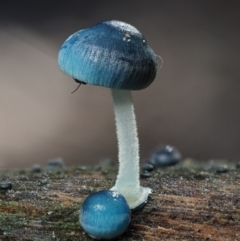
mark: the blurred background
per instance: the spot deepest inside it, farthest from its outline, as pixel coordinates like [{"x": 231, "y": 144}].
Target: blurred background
[{"x": 193, "y": 104}]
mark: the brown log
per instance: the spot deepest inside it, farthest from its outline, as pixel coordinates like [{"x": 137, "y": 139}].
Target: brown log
[{"x": 190, "y": 201}]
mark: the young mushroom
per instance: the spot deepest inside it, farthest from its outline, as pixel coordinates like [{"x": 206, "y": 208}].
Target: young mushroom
[
  {"x": 105, "y": 215},
  {"x": 115, "y": 54},
  {"x": 165, "y": 156}
]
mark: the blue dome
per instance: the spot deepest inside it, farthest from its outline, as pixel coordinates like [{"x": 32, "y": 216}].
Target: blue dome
[
  {"x": 165, "y": 156},
  {"x": 112, "y": 54},
  {"x": 105, "y": 214}
]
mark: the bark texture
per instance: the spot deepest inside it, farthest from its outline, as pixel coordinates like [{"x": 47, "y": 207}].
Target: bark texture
[{"x": 190, "y": 201}]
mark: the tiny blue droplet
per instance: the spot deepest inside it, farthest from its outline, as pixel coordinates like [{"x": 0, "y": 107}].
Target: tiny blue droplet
[{"x": 165, "y": 156}]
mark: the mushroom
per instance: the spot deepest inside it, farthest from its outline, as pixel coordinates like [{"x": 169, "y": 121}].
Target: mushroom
[
  {"x": 105, "y": 214},
  {"x": 165, "y": 156},
  {"x": 115, "y": 55}
]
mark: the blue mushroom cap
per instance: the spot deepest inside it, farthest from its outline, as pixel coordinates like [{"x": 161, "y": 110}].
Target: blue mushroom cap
[
  {"x": 112, "y": 54},
  {"x": 105, "y": 214},
  {"x": 165, "y": 156}
]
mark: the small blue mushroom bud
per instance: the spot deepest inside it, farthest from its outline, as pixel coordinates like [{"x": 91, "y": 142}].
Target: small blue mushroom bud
[
  {"x": 105, "y": 215},
  {"x": 165, "y": 156}
]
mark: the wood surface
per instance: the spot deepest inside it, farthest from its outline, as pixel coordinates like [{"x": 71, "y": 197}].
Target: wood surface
[{"x": 190, "y": 201}]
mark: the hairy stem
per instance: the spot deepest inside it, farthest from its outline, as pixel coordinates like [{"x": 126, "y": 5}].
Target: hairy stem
[
  {"x": 128, "y": 144},
  {"x": 127, "y": 183}
]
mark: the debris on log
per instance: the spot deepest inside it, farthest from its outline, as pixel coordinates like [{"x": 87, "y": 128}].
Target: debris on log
[{"x": 190, "y": 201}]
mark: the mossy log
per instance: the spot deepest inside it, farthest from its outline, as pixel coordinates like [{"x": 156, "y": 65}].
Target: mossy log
[{"x": 190, "y": 201}]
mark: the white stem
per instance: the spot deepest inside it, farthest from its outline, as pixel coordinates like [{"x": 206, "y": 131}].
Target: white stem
[
  {"x": 128, "y": 153},
  {"x": 128, "y": 183}
]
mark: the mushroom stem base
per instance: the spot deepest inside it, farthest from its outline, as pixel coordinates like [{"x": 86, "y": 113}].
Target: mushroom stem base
[{"x": 134, "y": 200}]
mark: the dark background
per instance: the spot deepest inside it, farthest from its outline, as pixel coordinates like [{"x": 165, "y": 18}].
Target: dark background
[{"x": 193, "y": 103}]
